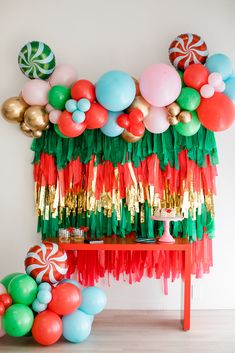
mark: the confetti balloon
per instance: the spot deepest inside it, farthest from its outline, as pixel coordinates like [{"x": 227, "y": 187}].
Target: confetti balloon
[
  {"x": 187, "y": 49},
  {"x": 36, "y": 60},
  {"x": 46, "y": 262}
]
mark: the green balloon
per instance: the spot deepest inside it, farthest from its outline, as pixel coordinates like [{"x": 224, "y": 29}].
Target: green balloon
[
  {"x": 58, "y": 96},
  {"x": 23, "y": 289},
  {"x": 189, "y": 99},
  {"x": 7, "y": 279},
  {"x": 59, "y": 132},
  {"x": 18, "y": 320},
  {"x": 182, "y": 77},
  {"x": 190, "y": 128}
]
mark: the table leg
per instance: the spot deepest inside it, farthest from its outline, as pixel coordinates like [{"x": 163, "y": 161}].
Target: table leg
[{"x": 187, "y": 288}]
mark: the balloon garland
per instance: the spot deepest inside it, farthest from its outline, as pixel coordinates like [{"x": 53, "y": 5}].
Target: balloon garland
[{"x": 44, "y": 304}]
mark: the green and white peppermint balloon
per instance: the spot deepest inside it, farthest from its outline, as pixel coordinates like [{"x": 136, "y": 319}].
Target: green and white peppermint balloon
[{"x": 36, "y": 60}]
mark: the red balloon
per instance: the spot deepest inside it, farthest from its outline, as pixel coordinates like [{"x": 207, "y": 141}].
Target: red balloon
[
  {"x": 96, "y": 116},
  {"x": 123, "y": 120},
  {"x": 136, "y": 116},
  {"x": 47, "y": 328},
  {"x": 6, "y": 300},
  {"x": 2, "y": 309},
  {"x": 195, "y": 76},
  {"x": 83, "y": 89},
  {"x": 68, "y": 127},
  {"x": 137, "y": 129},
  {"x": 216, "y": 113},
  {"x": 66, "y": 298}
]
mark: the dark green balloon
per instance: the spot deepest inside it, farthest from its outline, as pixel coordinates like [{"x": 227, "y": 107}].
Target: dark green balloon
[
  {"x": 7, "y": 279},
  {"x": 182, "y": 77},
  {"x": 189, "y": 99},
  {"x": 23, "y": 289},
  {"x": 59, "y": 132},
  {"x": 58, "y": 96},
  {"x": 18, "y": 320},
  {"x": 190, "y": 128}
]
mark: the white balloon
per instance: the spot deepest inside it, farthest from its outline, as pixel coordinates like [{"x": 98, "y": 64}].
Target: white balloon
[
  {"x": 207, "y": 91},
  {"x": 215, "y": 79},
  {"x": 221, "y": 87}
]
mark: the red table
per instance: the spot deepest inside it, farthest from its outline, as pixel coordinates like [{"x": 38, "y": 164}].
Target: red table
[{"x": 128, "y": 243}]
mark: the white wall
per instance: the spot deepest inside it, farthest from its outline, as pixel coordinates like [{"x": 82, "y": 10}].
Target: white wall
[{"x": 96, "y": 36}]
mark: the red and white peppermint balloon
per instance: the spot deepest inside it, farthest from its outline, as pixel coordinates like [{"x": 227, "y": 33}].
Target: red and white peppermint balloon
[
  {"x": 187, "y": 49},
  {"x": 46, "y": 262}
]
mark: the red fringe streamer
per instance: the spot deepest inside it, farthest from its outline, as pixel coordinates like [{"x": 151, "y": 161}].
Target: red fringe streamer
[
  {"x": 90, "y": 266},
  {"x": 79, "y": 176}
]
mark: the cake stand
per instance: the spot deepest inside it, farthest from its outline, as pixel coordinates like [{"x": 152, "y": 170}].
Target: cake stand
[{"x": 167, "y": 237}]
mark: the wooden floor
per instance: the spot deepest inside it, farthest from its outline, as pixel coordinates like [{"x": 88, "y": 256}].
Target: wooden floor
[{"x": 145, "y": 331}]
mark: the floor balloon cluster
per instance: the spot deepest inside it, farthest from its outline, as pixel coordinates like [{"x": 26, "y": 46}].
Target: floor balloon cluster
[{"x": 44, "y": 304}]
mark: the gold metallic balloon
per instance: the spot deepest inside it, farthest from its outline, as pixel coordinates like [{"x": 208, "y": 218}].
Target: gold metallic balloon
[
  {"x": 13, "y": 109},
  {"x": 129, "y": 137},
  {"x": 173, "y": 120},
  {"x": 37, "y": 133},
  {"x": 140, "y": 103},
  {"x": 173, "y": 109},
  {"x": 36, "y": 118},
  {"x": 185, "y": 117},
  {"x": 26, "y": 130},
  {"x": 24, "y": 127},
  {"x": 137, "y": 87}
]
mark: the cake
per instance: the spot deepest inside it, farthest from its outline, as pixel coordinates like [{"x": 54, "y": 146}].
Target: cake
[{"x": 165, "y": 212}]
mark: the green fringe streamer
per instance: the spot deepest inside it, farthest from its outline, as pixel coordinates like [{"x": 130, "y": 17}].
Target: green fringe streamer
[
  {"x": 99, "y": 224},
  {"x": 166, "y": 145}
]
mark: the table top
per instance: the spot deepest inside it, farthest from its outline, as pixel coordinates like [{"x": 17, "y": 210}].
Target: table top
[{"x": 115, "y": 243}]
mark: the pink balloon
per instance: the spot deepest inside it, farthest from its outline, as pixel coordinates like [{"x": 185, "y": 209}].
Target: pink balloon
[
  {"x": 156, "y": 121},
  {"x": 54, "y": 116},
  {"x": 160, "y": 84},
  {"x": 207, "y": 91},
  {"x": 35, "y": 92},
  {"x": 49, "y": 108},
  {"x": 2, "y": 289},
  {"x": 64, "y": 75},
  {"x": 2, "y": 332},
  {"x": 215, "y": 79}
]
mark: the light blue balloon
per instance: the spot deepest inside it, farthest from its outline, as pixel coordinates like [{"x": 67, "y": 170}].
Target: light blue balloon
[
  {"x": 44, "y": 296},
  {"x": 71, "y": 105},
  {"x": 230, "y": 88},
  {"x": 38, "y": 307},
  {"x": 78, "y": 116},
  {"x": 44, "y": 286},
  {"x": 90, "y": 317},
  {"x": 220, "y": 63},
  {"x": 76, "y": 327},
  {"x": 115, "y": 90},
  {"x": 111, "y": 128},
  {"x": 94, "y": 300},
  {"x": 72, "y": 281},
  {"x": 83, "y": 104}
]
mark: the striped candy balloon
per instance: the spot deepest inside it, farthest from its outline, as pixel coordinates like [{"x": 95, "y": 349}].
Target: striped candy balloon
[
  {"x": 46, "y": 262},
  {"x": 36, "y": 60},
  {"x": 187, "y": 49}
]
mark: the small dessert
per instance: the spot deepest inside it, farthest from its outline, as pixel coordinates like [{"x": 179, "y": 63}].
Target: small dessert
[{"x": 165, "y": 212}]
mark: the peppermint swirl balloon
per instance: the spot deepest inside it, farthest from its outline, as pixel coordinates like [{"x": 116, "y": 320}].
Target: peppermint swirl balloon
[
  {"x": 46, "y": 262},
  {"x": 36, "y": 60},
  {"x": 187, "y": 49}
]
